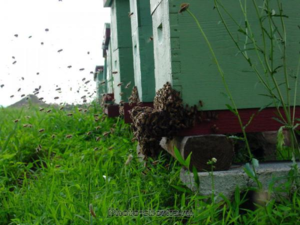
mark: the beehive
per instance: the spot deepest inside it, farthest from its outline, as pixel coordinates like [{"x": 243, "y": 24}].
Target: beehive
[
  {"x": 107, "y": 58},
  {"x": 120, "y": 48},
  {"x": 143, "y": 58},
  {"x": 182, "y": 56},
  {"x": 99, "y": 77}
]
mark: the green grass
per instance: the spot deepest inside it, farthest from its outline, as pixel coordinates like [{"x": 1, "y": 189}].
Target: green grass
[{"x": 57, "y": 183}]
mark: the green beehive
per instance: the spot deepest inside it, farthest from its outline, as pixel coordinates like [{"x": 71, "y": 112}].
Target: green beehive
[
  {"x": 143, "y": 58},
  {"x": 99, "y": 77},
  {"x": 182, "y": 56},
  {"x": 121, "y": 49},
  {"x": 107, "y": 58}
]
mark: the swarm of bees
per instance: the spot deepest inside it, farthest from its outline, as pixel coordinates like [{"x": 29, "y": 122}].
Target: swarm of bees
[
  {"x": 134, "y": 97},
  {"x": 166, "y": 119}
]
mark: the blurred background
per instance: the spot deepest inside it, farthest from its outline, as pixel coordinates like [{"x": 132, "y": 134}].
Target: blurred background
[{"x": 50, "y": 48}]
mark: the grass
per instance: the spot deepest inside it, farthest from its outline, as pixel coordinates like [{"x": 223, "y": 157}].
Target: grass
[{"x": 47, "y": 179}]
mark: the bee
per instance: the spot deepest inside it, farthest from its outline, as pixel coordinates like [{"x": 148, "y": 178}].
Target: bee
[
  {"x": 38, "y": 149},
  {"x": 127, "y": 85},
  {"x": 36, "y": 93},
  {"x": 25, "y": 125},
  {"x": 106, "y": 134},
  {"x": 112, "y": 130},
  {"x": 81, "y": 69},
  {"x": 16, "y": 35},
  {"x": 150, "y": 39},
  {"x": 56, "y": 98},
  {"x": 37, "y": 73},
  {"x": 41, "y": 130},
  {"x": 80, "y": 109},
  {"x": 61, "y": 108},
  {"x": 97, "y": 128},
  {"x": 14, "y": 62},
  {"x": 69, "y": 136},
  {"x": 41, "y": 109},
  {"x": 70, "y": 114},
  {"x": 87, "y": 82},
  {"x": 85, "y": 110},
  {"x": 30, "y": 125},
  {"x": 92, "y": 211},
  {"x": 42, "y": 43},
  {"x": 98, "y": 138},
  {"x": 95, "y": 149},
  {"x": 83, "y": 96},
  {"x": 69, "y": 67},
  {"x": 19, "y": 89},
  {"x": 2, "y": 85},
  {"x": 17, "y": 120},
  {"x": 119, "y": 84},
  {"x": 22, "y": 78},
  {"x": 110, "y": 148},
  {"x": 53, "y": 136},
  {"x": 84, "y": 101},
  {"x": 201, "y": 103},
  {"x": 60, "y": 50},
  {"x": 114, "y": 72},
  {"x": 57, "y": 89},
  {"x": 22, "y": 95},
  {"x": 48, "y": 111},
  {"x": 27, "y": 117},
  {"x": 83, "y": 79},
  {"x": 130, "y": 157},
  {"x": 12, "y": 96},
  {"x": 183, "y": 7},
  {"x": 46, "y": 29},
  {"x": 121, "y": 93}
]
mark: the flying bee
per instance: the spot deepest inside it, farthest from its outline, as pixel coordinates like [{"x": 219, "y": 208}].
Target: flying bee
[
  {"x": 53, "y": 136},
  {"x": 98, "y": 139},
  {"x": 60, "y": 50},
  {"x": 17, "y": 120},
  {"x": 41, "y": 130},
  {"x": 114, "y": 72},
  {"x": 87, "y": 82},
  {"x": 83, "y": 96},
  {"x": 56, "y": 98},
  {"x": 127, "y": 85},
  {"x": 25, "y": 125},
  {"x": 80, "y": 109},
  {"x": 69, "y": 136},
  {"x": 49, "y": 111},
  {"x": 12, "y": 96},
  {"x": 14, "y": 62},
  {"x": 105, "y": 134},
  {"x": 150, "y": 39},
  {"x": 103, "y": 82},
  {"x": 130, "y": 14},
  {"x": 112, "y": 130},
  {"x": 89, "y": 133},
  {"x": 2, "y": 85},
  {"x": 38, "y": 149},
  {"x": 57, "y": 89},
  {"x": 130, "y": 157},
  {"x": 201, "y": 103},
  {"x": 19, "y": 89},
  {"x": 119, "y": 84},
  {"x": 41, "y": 99},
  {"x": 81, "y": 69},
  {"x": 85, "y": 110},
  {"x": 84, "y": 101},
  {"x": 36, "y": 93},
  {"x": 37, "y": 73},
  {"x": 69, "y": 67},
  {"x": 61, "y": 108},
  {"x": 22, "y": 78},
  {"x": 97, "y": 128},
  {"x": 83, "y": 79},
  {"x": 95, "y": 149},
  {"x": 121, "y": 93},
  {"x": 70, "y": 114},
  {"x": 41, "y": 109},
  {"x": 22, "y": 95}
]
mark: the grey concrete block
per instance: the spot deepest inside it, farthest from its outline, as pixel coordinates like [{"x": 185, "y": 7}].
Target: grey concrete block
[{"x": 226, "y": 181}]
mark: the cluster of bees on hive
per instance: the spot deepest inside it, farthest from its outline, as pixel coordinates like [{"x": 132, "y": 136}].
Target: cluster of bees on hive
[{"x": 166, "y": 119}]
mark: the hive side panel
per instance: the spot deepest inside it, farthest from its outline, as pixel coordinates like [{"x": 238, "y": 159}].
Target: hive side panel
[
  {"x": 143, "y": 56},
  {"x": 161, "y": 43},
  {"x": 194, "y": 71},
  {"x": 109, "y": 78}
]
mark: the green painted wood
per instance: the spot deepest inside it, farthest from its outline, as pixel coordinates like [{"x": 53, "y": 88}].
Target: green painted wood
[
  {"x": 122, "y": 69},
  {"x": 143, "y": 56},
  {"x": 109, "y": 77},
  {"x": 183, "y": 58},
  {"x": 121, "y": 63},
  {"x": 101, "y": 89}
]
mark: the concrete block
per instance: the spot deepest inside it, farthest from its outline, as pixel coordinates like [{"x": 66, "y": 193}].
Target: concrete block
[{"x": 226, "y": 181}]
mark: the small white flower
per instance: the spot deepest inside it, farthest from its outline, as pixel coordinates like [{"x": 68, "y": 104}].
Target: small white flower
[{"x": 214, "y": 160}]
